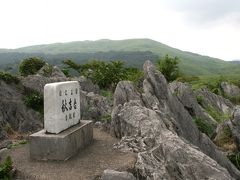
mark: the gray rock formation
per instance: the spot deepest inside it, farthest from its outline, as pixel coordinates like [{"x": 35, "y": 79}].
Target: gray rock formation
[
  {"x": 187, "y": 97},
  {"x": 157, "y": 125},
  {"x": 37, "y": 82},
  {"x": 93, "y": 106},
  {"x": 51, "y": 71},
  {"x": 116, "y": 175},
  {"x": 87, "y": 85},
  {"x": 230, "y": 90},
  {"x": 14, "y": 115},
  {"x": 209, "y": 99}
]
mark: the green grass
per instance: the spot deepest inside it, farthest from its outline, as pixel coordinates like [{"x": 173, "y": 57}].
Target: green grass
[
  {"x": 235, "y": 159},
  {"x": 204, "y": 127},
  {"x": 5, "y": 169},
  {"x": 10, "y": 146},
  {"x": 218, "y": 116}
]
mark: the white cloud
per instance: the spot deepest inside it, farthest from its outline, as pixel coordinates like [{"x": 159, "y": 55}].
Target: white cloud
[{"x": 29, "y": 22}]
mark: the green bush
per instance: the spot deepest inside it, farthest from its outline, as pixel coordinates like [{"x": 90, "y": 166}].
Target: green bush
[
  {"x": 47, "y": 70},
  {"x": 34, "y": 100},
  {"x": 5, "y": 168},
  {"x": 204, "y": 127},
  {"x": 30, "y": 66},
  {"x": 106, "y": 118},
  {"x": 8, "y": 78},
  {"x": 169, "y": 67}
]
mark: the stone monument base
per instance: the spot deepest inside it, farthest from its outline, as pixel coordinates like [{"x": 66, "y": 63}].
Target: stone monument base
[{"x": 62, "y": 146}]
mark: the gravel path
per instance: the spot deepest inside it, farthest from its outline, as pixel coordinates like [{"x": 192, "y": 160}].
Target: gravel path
[{"x": 87, "y": 164}]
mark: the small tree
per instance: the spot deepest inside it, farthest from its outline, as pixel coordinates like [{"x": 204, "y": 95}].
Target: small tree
[
  {"x": 169, "y": 67},
  {"x": 30, "y": 66}
]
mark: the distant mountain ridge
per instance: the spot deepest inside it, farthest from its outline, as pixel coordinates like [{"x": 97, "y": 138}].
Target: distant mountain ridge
[{"x": 191, "y": 63}]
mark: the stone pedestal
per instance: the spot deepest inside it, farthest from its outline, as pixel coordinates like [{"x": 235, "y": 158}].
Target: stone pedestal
[{"x": 62, "y": 146}]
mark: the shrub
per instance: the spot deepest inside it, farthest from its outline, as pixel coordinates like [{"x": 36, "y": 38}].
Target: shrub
[
  {"x": 5, "y": 168},
  {"x": 47, "y": 70},
  {"x": 8, "y": 78},
  {"x": 169, "y": 67},
  {"x": 34, "y": 100},
  {"x": 106, "y": 118},
  {"x": 30, "y": 66},
  {"x": 204, "y": 127}
]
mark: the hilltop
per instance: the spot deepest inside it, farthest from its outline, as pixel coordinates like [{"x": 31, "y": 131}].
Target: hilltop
[{"x": 81, "y": 51}]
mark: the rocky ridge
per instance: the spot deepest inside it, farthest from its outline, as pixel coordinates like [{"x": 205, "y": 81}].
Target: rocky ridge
[{"x": 157, "y": 126}]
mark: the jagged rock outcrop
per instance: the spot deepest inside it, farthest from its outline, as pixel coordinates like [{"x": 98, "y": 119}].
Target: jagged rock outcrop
[
  {"x": 116, "y": 175},
  {"x": 228, "y": 133},
  {"x": 187, "y": 97},
  {"x": 94, "y": 106},
  {"x": 51, "y": 71},
  {"x": 14, "y": 115},
  {"x": 230, "y": 90},
  {"x": 157, "y": 125},
  {"x": 209, "y": 99},
  {"x": 38, "y": 81},
  {"x": 87, "y": 85}
]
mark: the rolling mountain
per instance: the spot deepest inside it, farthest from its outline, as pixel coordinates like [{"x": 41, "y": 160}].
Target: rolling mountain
[{"x": 191, "y": 63}]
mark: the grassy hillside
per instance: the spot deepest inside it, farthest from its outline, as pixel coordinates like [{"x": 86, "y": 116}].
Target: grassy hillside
[{"x": 191, "y": 63}]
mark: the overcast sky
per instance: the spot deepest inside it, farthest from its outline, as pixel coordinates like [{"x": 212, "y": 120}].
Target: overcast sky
[{"x": 207, "y": 27}]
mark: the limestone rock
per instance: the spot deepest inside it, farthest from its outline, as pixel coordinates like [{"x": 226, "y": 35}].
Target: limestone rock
[
  {"x": 87, "y": 85},
  {"x": 230, "y": 90},
  {"x": 158, "y": 124},
  {"x": 173, "y": 158},
  {"x": 14, "y": 115},
  {"x": 37, "y": 82},
  {"x": 93, "y": 106},
  {"x": 51, "y": 71},
  {"x": 124, "y": 92},
  {"x": 116, "y": 175},
  {"x": 209, "y": 99},
  {"x": 187, "y": 97}
]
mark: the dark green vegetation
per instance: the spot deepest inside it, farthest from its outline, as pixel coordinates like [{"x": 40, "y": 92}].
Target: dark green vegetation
[
  {"x": 10, "y": 146},
  {"x": 34, "y": 100},
  {"x": 5, "y": 168},
  {"x": 105, "y": 74},
  {"x": 235, "y": 159},
  {"x": 8, "y": 78},
  {"x": 191, "y": 64},
  {"x": 169, "y": 67},
  {"x": 30, "y": 66},
  {"x": 204, "y": 127}
]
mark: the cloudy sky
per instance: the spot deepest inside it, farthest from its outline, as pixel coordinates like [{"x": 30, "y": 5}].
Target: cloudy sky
[{"x": 207, "y": 27}]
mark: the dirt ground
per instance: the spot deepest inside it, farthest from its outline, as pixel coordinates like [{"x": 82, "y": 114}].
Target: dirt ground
[{"x": 87, "y": 164}]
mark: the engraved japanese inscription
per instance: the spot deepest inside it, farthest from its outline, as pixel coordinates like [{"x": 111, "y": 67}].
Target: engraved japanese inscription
[{"x": 61, "y": 106}]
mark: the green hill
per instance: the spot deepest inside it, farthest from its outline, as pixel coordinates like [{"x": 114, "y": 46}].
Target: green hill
[{"x": 191, "y": 63}]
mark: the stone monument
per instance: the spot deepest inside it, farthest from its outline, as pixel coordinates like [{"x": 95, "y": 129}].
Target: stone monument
[{"x": 63, "y": 134}]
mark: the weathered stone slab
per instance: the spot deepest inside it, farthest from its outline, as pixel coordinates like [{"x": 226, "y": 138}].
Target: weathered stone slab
[
  {"x": 62, "y": 146},
  {"x": 61, "y": 106}
]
